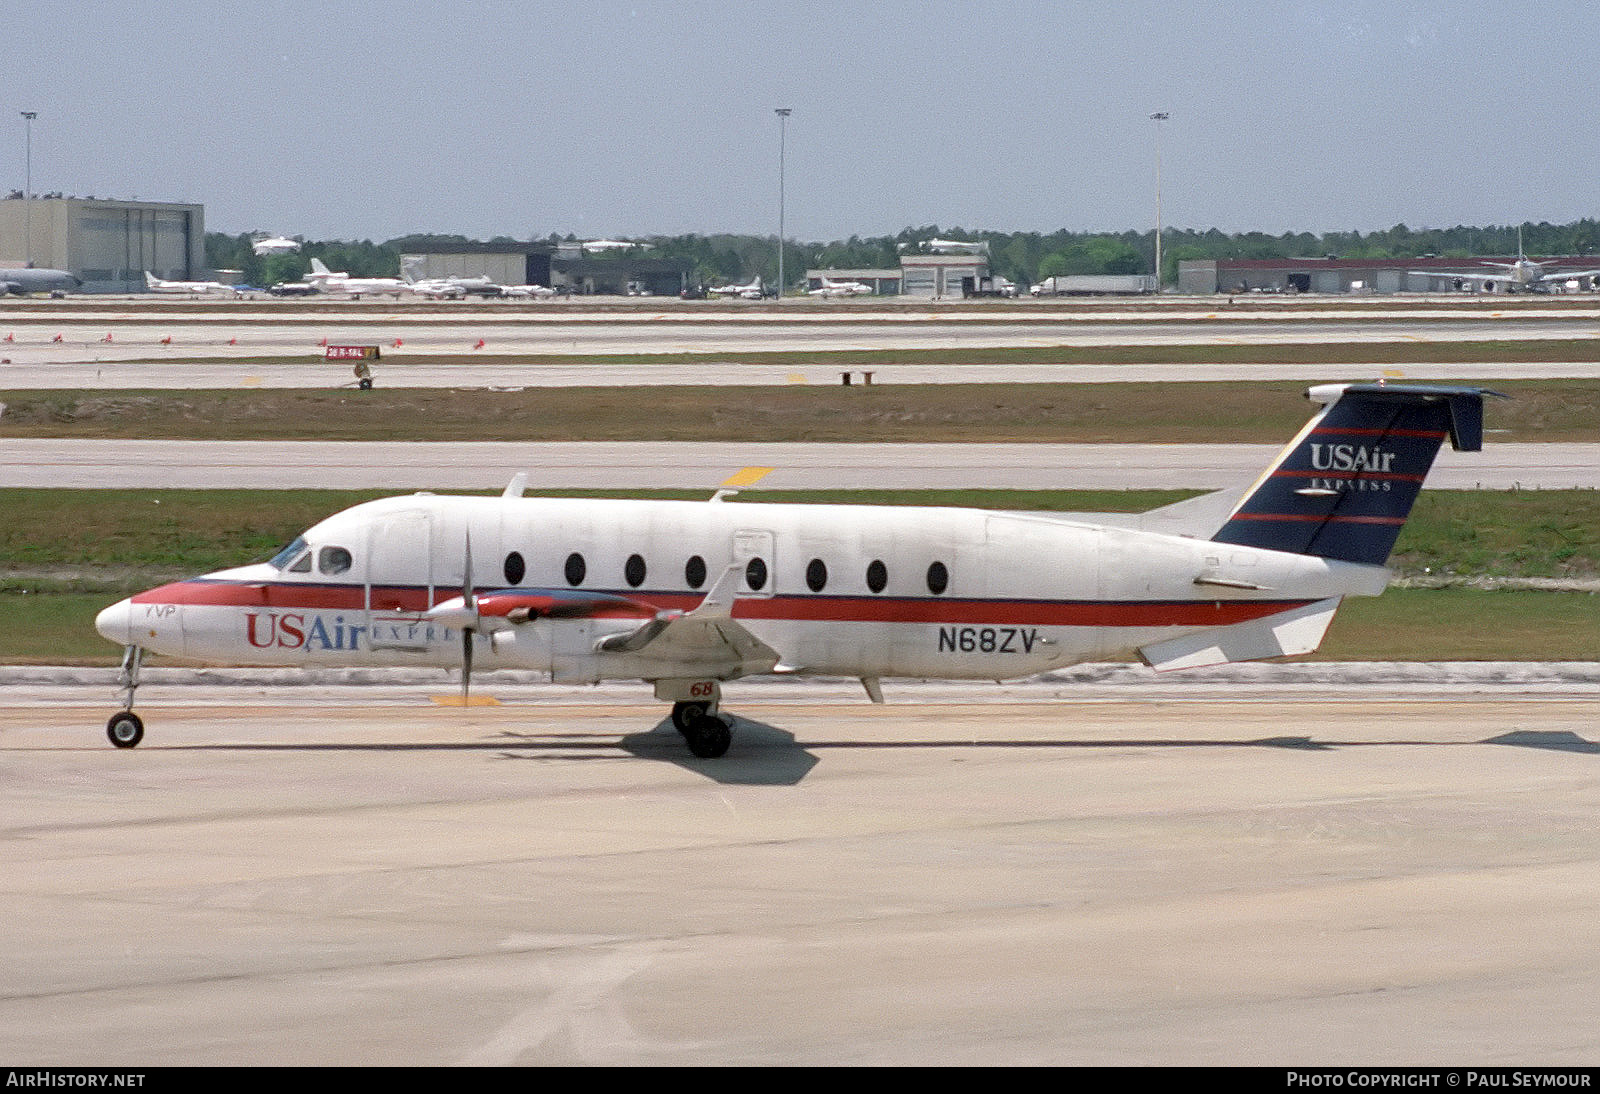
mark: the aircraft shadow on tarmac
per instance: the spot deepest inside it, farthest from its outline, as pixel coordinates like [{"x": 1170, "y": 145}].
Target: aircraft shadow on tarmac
[{"x": 764, "y": 755}]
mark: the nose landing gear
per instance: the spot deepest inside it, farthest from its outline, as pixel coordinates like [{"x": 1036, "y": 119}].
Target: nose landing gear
[{"x": 126, "y": 729}]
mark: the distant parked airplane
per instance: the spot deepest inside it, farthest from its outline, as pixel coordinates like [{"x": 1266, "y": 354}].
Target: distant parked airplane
[
  {"x": 327, "y": 280},
  {"x": 156, "y": 284},
  {"x": 527, "y": 292},
  {"x": 752, "y": 291},
  {"x": 1521, "y": 275},
  {"x": 20, "y": 282},
  {"x": 840, "y": 288},
  {"x": 275, "y": 245},
  {"x": 447, "y": 288}
]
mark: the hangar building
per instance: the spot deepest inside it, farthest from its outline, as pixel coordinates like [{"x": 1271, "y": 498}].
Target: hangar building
[
  {"x": 568, "y": 268},
  {"x": 934, "y": 276},
  {"x": 107, "y": 244},
  {"x": 502, "y": 263},
  {"x": 1339, "y": 275}
]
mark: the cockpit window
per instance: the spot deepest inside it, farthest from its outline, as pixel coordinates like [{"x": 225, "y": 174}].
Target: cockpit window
[
  {"x": 282, "y": 559},
  {"x": 302, "y": 565},
  {"x": 333, "y": 560}
]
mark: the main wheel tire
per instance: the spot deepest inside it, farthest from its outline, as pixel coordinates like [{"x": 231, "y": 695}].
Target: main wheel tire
[
  {"x": 708, "y": 737},
  {"x": 685, "y": 714},
  {"x": 125, "y": 729}
]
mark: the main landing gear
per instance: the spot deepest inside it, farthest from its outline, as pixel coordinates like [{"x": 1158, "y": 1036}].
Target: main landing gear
[
  {"x": 126, "y": 729},
  {"x": 707, "y": 735}
]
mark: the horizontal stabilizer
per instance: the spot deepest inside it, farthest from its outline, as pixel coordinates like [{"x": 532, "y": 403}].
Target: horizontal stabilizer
[{"x": 1286, "y": 634}]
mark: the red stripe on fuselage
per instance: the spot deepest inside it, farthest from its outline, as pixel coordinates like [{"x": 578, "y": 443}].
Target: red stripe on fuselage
[
  {"x": 1318, "y": 520},
  {"x": 1345, "y": 431},
  {"x": 1348, "y": 476},
  {"x": 811, "y": 609}
]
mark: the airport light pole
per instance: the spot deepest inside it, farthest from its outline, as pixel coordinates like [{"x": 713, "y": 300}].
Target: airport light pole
[
  {"x": 27, "y": 190},
  {"x": 783, "y": 113},
  {"x": 1158, "y": 117}
]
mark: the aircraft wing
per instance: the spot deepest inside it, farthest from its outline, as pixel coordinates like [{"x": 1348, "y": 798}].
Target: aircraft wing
[
  {"x": 705, "y": 641},
  {"x": 1568, "y": 275}
]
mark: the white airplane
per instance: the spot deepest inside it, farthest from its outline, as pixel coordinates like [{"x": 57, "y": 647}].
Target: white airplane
[
  {"x": 527, "y": 292},
  {"x": 275, "y": 245},
  {"x": 156, "y": 284},
  {"x": 688, "y": 595},
  {"x": 957, "y": 246},
  {"x": 331, "y": 281},
  {"x": 447, "y": 288},
  {"x": 839, "y": 288},
  {"x": 753, "y": 291},
  {"x": 596, "y": 246},
  {"x": 1521, "y": 275}
]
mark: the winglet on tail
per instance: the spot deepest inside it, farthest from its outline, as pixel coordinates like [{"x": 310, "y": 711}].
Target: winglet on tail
[{"x": 1342, "y": 489}]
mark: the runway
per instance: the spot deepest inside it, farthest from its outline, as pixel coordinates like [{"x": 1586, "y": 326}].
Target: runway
[
  {"x": 1256, "y": 876},
  {"x": 56, "y": 339},
  {"x": 270, "y": 465},
  {"x": 500, "y": 374}
]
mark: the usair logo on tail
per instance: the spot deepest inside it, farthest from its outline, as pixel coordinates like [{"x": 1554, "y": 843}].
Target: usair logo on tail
[{"x": 1350, "y": 457}]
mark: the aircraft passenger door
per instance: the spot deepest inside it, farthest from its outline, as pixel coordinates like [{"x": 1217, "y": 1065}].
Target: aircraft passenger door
[
  {"x": 754, "y": 550},
  {"x": 399, "y": 575}
]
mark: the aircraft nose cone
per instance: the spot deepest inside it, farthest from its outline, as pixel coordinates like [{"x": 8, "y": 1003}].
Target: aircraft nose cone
[{"x": 115, "y": 622}]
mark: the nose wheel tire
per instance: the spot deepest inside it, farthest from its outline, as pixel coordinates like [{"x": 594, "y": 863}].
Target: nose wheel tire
[
  {"x": 125, "y": 729},
  {"x": 708, "y": 737}
]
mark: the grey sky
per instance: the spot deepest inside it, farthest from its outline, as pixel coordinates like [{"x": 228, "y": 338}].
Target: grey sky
[{"x": 374, "y": 118}]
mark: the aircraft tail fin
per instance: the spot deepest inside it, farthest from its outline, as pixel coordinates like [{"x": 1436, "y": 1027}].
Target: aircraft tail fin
[
  {"x": 1342, "y": 489},
  {"x": 320, "y": 267},
  {"x": 150, "y": 280}
]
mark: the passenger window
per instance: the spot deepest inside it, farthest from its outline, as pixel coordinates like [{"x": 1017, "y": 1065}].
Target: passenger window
[
  {"x": 877, "y": 576},
  {"x": 755, "y": 573},
  {"x": 633, "y": 571},
  {"x": 816, "y": 575},
  {"x": 333, "y": 560},
  {"x": 515, "y": 569},
  {"x": 575, "y": 569},
  {"x": 938, "y": 578},
  {"x": 694, "y": 571}
]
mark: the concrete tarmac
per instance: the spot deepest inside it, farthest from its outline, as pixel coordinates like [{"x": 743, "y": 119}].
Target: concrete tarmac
[{"x": 1344, "y": 873}]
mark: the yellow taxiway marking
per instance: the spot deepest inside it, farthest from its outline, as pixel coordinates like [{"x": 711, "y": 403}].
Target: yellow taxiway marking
[
  {"x": 750, "y": 476},
  {"x": 1393, "y": 373},
  {"x": 457, "y": 701},
  {"x": 797, "y": 377},
  {"x": 252, "y": 381}
]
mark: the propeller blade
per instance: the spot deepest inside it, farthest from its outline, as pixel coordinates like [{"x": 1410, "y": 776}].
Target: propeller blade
[{"x": 470, "y": 600}]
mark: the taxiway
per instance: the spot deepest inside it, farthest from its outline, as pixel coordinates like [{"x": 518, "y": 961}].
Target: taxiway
[
  {"x": 1343, "y": 874},
  {"x": 485, "y": 465}
]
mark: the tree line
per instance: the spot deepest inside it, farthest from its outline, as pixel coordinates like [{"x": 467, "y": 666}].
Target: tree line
[{"x": 1024, "y": 257}]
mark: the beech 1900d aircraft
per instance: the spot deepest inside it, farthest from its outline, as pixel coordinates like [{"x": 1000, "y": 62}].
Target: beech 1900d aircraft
[{"x": 688, "y": 595}]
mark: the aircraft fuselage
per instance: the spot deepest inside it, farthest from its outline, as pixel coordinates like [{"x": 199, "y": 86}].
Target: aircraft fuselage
[{"x": 842, "y": 590}]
